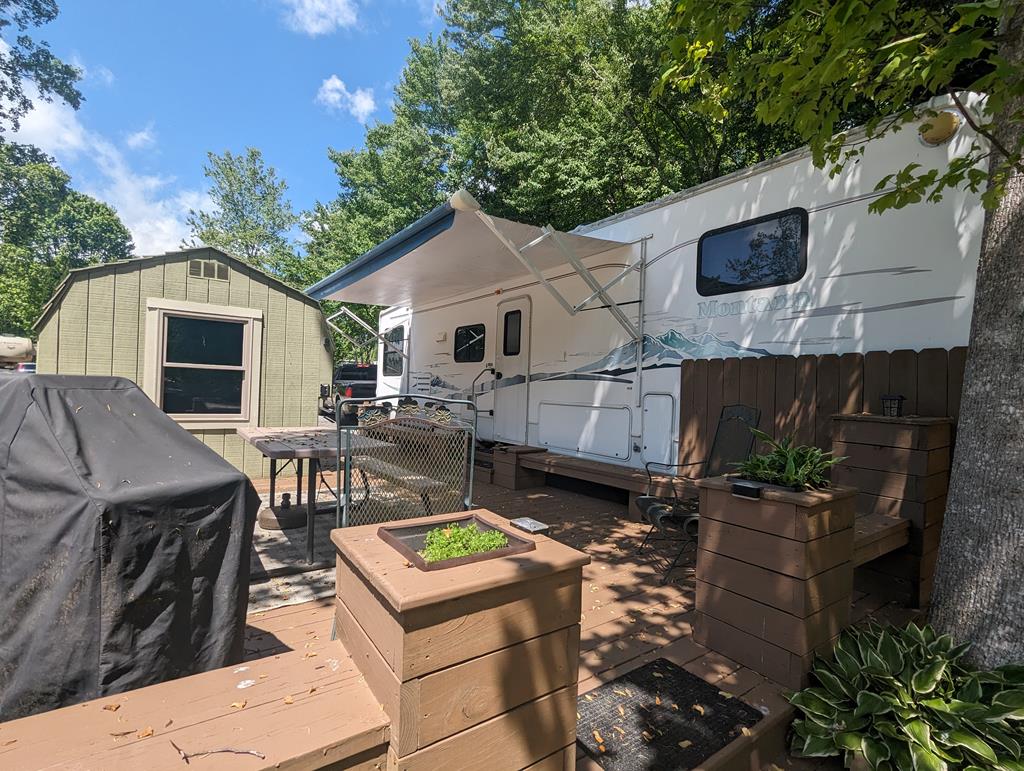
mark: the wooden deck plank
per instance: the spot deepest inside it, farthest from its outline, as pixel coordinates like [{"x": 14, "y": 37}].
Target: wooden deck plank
[{"x": 296, "y": 709}]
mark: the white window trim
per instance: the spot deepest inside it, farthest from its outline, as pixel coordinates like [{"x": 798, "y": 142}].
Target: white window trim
[{"x": 157, "y": 308}]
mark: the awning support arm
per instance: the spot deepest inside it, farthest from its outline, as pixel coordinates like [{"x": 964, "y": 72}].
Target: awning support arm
[
  {"x": 373, "y": 332},
  {"x": 594, "y": 284},
  {"x": 579, "y": 267}
]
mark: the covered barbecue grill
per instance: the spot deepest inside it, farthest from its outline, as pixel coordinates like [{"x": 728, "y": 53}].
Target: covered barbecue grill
[{"x": 124, "y": 544}]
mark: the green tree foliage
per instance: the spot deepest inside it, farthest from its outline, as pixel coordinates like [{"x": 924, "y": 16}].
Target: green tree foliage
[
  {"x": 543, "y": 111},
  {"x": 251, "y": 217},
  {"x": 23, "y": 59},
  {"x": 46, "y": 229},
  {"x": 818, "y": 67}
]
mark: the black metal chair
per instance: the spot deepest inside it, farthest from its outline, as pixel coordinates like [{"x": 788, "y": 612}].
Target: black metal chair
[{"x": 676, "y": 517}]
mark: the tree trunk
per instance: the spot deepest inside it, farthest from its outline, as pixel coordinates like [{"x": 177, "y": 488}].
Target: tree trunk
[{"x": 979, "y": 580}]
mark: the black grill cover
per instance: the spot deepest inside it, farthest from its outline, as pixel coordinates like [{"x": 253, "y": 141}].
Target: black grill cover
[{"x": 124, "y": 544}]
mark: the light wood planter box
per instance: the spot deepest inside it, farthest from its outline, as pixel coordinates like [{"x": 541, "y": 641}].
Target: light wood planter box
[
  {"x": 476, "y": 665},
  {"x": 774, "y": 575},
  {"x": 901, "y": 468}
]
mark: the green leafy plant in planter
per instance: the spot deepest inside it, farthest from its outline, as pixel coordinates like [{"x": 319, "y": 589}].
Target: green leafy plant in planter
[
  {"x": 892, "y": 699},
  {"x": 788, "y": 464},
  {"x": 451, "y": 541}
]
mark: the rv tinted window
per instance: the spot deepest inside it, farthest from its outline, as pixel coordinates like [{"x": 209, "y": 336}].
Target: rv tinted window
[
  {"x": 513, "y": 333},
  {"x": 763, "y": 252},
  {"x": 469, "y": 343},
  {"x": 393, "y": 364}
]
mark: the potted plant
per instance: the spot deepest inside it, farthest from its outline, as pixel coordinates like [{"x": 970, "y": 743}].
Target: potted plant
[
  {"x": 786, "y": 464},
  {"x": 890, "y": 698},
  {"x": 774, "y": 560}
]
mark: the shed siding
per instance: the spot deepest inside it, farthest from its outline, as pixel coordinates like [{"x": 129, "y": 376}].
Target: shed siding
[{"x": 98, "y": 328}]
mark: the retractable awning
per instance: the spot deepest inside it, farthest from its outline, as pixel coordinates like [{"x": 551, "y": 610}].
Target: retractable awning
[{"x": 454, "y": 249}]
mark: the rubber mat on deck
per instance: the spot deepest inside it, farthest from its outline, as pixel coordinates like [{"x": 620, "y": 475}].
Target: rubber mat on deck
[{"x": 659, "y": 716}]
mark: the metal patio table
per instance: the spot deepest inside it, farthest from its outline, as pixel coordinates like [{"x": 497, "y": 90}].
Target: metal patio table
[{"x": 313, "y": 444}]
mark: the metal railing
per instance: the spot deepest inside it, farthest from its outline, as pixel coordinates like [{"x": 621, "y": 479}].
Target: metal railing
[{"x": 403, "y": 456}]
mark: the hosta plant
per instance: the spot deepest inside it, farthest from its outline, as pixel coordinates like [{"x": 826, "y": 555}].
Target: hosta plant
[
  {"x": 788, "y": 464},
  {"x": 903, "y": 699}
]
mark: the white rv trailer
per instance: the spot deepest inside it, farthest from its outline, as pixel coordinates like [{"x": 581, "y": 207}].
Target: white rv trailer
[{"x": 545, "y": 329}]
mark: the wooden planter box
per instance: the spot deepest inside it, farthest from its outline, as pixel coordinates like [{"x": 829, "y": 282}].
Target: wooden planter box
[
  {"x": 476, "y": 665},
  {"x": 774, "y": 575}
]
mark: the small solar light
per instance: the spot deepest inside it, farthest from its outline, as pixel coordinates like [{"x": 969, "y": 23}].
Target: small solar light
[{"x": 892, "y": 405}]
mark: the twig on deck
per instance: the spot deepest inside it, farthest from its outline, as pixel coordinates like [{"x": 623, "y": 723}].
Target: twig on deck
[{"x": 187, "y": 756}]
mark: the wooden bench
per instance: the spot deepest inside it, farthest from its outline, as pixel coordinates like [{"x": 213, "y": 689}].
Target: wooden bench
[
  {"x": 421, "y": 485},
  {"x": 296, "y": 710},
  {"x": 877, "y": 534}
]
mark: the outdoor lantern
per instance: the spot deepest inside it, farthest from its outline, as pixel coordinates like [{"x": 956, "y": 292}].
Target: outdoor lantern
[{"x": 892, "y": 405}]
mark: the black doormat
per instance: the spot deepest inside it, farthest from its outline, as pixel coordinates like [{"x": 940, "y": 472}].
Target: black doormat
[{"x": 659, "y": 716}]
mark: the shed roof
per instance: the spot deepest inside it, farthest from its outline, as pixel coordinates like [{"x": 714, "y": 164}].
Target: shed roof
[{"x": 72, "y": 274}]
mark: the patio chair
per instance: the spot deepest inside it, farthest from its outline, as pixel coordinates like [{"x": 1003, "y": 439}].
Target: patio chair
[{"x": 676, "y": 517}]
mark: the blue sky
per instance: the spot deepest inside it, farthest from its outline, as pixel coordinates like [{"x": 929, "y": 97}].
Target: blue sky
[{"x": 167, "y": 81}]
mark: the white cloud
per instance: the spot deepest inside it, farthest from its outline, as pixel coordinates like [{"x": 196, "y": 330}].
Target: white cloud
[
  {"x": 320, "y": 17},
  {"x": 95, "y": 73},
  {"x": 141, "y": 139},
  {"x": 335, "y": 96},
  {"x": 152, "y": 207}
]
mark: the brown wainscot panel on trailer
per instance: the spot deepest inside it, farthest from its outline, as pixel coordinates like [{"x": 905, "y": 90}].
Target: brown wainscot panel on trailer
[
  {"x": 774, "y": 575},
  {"x": 475, "y": 664}
]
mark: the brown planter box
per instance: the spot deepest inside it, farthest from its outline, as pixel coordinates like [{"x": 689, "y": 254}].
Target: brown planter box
[
  {"x": 774, "y": 575},
  {"x": 462, "y": 658}
]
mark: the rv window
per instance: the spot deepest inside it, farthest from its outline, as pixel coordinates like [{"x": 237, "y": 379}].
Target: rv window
[
  {"x": 469, "y": 343},
  {"x": 513, "y": 333},
  {"x": 763, "y": 252},
  {"x": 393, "y": 364}
]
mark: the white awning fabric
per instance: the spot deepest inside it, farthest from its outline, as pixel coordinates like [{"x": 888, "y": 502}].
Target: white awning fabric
[{"x": 452, "y": 250}]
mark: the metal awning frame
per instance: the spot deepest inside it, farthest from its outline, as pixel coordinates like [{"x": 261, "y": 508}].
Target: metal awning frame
[
  {"x": 360, "y": 344},
  {"x": 599, "y": 291}
]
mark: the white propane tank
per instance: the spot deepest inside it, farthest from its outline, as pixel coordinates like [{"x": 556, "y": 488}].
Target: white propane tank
[{"x": 14, "y": 350}]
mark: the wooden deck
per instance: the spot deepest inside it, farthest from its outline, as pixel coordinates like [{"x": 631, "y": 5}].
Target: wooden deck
[{"x": 628, "y": 617}]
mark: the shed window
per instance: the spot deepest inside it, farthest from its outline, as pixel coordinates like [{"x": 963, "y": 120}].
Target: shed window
[
  {"x": 203, "y": 367},
  {"x": 763, "y": 252},
  {"x": 214, "y": 269},
  {"x": 513, "y": 337},
  {"x": 393, "y": 363},
  {"x": 202, "y": 362},
  {"x": 469, "y": 343}
]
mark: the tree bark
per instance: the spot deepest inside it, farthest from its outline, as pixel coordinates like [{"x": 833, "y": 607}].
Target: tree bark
[{"x": 979, "y": 579}]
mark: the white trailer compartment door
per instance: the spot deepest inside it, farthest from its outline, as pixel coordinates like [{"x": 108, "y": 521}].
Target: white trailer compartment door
[{"x": 512, "y": 363}]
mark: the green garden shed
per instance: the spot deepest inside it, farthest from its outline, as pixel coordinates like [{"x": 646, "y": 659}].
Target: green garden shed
[{"x": 214, "y": 342}]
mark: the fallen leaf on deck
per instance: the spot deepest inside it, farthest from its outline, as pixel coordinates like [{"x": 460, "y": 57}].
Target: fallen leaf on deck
[
  {"x": 597, "y": 736},
  {"x": 745, "y": 731},
  {"x": 238, "y": 704},
  {"x": 309, "y": 654},
  {"x": 312, "y": 689},
  {"x": 619, "y": 729},
  {"x": 698, "y": 709},
  {"x": 147, "y": 731},
  {"x": 685, "y": 743},
  {"x": 646, "y": 735},
  {"x": 622, "y": 711},
  {"x": 601, "y": 748},
  {"x": 111, "y": 707},
  {"x": 657, "y": 700},
  {"x": 657, "y": 674},
  {"x": 289, "y": 700}
]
